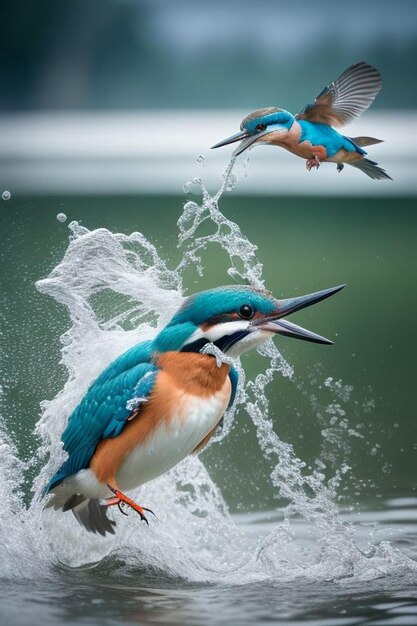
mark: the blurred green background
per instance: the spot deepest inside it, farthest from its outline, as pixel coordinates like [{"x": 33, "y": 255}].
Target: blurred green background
[
  {"x": 212, "y": 61},
  {"x": 118, "y": 54}
]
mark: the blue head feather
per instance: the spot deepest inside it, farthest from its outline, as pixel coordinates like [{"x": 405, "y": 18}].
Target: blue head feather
[
  {"x": 267, "y": 118},
  {"x": 204, "y": 305}
]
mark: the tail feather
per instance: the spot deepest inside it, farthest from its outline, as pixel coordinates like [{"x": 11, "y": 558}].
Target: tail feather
[
  {"x": 59, "y": 497},
  {"x": 72, "y": 502},
  {"x": 365, "y": 141},
  {"x": 371, "y": 169},
  {"x": 90, "y": 514}
]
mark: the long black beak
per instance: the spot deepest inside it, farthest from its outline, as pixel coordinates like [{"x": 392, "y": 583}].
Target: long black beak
[
  {"x": 247, "y": 140},
  {"x": 237, "y": 137},
  {"x": 275, "y": 323}
]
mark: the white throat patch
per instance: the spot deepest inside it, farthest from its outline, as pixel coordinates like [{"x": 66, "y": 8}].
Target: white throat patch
[{"x": 213, "y": 334}]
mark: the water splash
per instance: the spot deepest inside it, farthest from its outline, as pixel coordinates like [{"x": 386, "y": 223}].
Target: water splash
[
  {"x": 245, "y": 267},
  {"x": 118, "y": 290}
]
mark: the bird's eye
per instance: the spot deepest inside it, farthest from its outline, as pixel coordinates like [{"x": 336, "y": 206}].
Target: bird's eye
[
  {"x": 246, "y": 311},
  {"x": 260, "y": 127}
]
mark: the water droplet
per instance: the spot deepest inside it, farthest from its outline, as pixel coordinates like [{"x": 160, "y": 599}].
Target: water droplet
[
  {"x": 201, "y": 158},
  {"x": 61, "y": 217},
  {"x": 231, "y": 182},
  {"x": 6, "y": 195},
  {"x": 193, "y": 186},
  {"x": 235, "y": 274}
]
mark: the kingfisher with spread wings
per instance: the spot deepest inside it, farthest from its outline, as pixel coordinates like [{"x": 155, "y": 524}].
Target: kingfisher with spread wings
[{"x": 311, "y": 134}]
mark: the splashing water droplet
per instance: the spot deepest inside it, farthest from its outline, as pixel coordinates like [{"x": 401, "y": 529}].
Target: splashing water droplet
[
  {"x": 231, "y": 182},
  {"x": 245, "y": 167},
  {"x": 6, "y": 195},
  {"x": 245, "y": 267},
  {"x": 61, "y": 217},
  {"x": 194, "y": 186},
  {"x": 235, "y": 274}
]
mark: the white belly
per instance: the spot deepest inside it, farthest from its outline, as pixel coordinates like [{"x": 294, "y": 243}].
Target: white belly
[{"x": 173, "y": 440}]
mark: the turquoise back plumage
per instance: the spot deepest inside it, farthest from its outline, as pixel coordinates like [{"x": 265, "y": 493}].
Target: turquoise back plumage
[
  {"x": 324, "y": 135},
  {"x": 103, "y": 411}
]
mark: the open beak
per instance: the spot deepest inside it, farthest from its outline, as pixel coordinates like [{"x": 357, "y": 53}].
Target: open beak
[
  {"x": 275, "y": 324},
  {"x": 245, "y": 138},
  {"x": 237, "y": 137}
]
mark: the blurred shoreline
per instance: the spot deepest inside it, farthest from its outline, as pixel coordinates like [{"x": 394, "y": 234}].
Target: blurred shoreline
[{"x": 156, "y": 153}]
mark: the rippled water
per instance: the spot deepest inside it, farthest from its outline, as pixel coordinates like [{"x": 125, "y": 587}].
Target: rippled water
[
  {"x": 123, "y": 589},
  {"x": 307, "y": 561}
]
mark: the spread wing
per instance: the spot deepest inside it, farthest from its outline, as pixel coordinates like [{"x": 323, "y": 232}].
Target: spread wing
[
  {"x": 348, "y": 97},
  {"x": 114, "y": 397}
]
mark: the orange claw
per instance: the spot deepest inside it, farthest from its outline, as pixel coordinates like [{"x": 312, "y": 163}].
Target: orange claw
[
  {"x": 121, "y": 498},
  {"x": 314, "y": 162}
]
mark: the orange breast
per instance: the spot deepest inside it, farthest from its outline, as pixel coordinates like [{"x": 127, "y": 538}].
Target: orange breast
[
  {"x": 181, "y": 374},
  {"x": 195, "y": 373}
]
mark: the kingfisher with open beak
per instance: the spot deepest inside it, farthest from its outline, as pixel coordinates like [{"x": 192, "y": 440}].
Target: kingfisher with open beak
[
  {"x": 310, "y": 134},
  {"x": 163, "y": 399}
]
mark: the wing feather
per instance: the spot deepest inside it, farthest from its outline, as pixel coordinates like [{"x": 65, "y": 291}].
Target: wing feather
[
  {"x": 112, "y": 398},
  {"x": 346, "y": 98}
]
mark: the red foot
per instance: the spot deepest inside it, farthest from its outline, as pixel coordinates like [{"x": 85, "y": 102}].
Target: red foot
[
  {"x": 315, "y": 162},
  {"x": 121, "y": 500}
]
